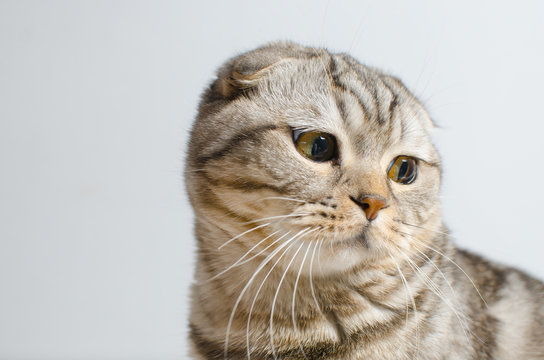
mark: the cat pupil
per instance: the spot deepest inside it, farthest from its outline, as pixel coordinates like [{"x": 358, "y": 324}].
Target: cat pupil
[
  {"x": 320, "y": 146},
  {"x": 403, "y": 169}
]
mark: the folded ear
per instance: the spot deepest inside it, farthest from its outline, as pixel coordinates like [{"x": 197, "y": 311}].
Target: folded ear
[{"x": 245, "y": 71}]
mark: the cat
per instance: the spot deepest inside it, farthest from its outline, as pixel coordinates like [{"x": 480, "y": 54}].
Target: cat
[{"x": 315, "y": 187}]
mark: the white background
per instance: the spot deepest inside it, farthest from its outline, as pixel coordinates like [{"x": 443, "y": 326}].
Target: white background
[{"x": 96, "y": 101}]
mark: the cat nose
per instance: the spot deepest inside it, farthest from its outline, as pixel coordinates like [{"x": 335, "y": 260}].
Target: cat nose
[{"x": 371, "y": 205}]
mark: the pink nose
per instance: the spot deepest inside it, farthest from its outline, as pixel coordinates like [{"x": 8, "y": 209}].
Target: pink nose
[{"x": 371, "y": 206}]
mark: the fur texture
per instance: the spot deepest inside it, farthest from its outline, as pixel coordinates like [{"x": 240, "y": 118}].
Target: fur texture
[{"x": 289, "y": 266}]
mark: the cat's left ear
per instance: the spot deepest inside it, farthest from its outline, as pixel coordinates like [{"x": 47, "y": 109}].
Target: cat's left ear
[{"x": 245, "y": 71}]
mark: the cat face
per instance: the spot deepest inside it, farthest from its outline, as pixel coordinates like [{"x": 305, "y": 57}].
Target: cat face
[{"x": 299, "y": 148}]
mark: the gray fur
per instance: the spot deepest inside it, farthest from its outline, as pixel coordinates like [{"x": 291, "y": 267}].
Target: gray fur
[{"x": 276, "y": 229}]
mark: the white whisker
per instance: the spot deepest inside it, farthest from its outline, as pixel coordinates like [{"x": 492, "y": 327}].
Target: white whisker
[
  {"x": 438, "y": 292},
  {"x": 445, "y": 256},
  {"x": 274, "y": 301},
  {"x": 409, "y": 292},
  {"x": 283, "y": 198},
  {"x": 293, "y": 302},
  {"x": 261, "y": 266},
  {"x": 463, "y": 323},
  {"x": 319, "y": 256},
  {"x": 424, "y": 228},
  {"x": 311, "y": 277},
  {"x": 257, "y": 294},
  {"x": 242, "y": 234},
  {"x": 276, "y": 217},
  {"x": 459, "y": 267},
  {"x": 239, "y": 261},
  {"x": 437, "y": 268},
  {"x": 265, "y": 249}
]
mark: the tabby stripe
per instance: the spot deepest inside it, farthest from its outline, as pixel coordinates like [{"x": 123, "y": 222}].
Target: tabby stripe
[
  {"x": 391, "y": 108},
  {"x": 338, "y": 84},
  {"x": 244, "y": 185},
  {"x": 376, "y": 302},
  {"x": 349, "y": 344},
  {"x": 212, "y": 201},
  {"x": 377, "y": 103},
  {"x": 233, "y": 142},
  {"x": 484, "y": 327},
  {"x": 394, "y": 95},
  {"x": 248, "y": 186},
  {"x": 335, "y": 77}
]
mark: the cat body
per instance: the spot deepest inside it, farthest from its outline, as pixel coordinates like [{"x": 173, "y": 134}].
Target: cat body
[{"x": 315, "y": 189}]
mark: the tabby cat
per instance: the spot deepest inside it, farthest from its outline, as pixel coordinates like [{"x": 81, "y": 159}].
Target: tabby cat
[{"x": 315, "y": 188}]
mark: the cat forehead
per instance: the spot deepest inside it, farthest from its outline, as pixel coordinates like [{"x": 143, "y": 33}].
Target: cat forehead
[
  {"x": 285, "y": 75},
  {"x": 336, "y": 81},
  {"x": 338, "y": 95}
]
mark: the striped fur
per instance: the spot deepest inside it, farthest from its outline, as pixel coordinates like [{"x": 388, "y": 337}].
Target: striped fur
[{"x": 288, "y": 266}]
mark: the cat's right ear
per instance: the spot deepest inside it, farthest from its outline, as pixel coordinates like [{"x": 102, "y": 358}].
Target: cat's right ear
[{"x": 245, "y": 71}]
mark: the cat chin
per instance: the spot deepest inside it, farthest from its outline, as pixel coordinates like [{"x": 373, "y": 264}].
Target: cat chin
[
  {"x": 343, "y": 259},
  {"x": 343, "y": 256},
  {"x": 370, "y": 248}
]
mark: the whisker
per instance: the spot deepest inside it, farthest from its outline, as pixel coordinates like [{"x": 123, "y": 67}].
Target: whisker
[
  {"x": 283, "y": 198},
  {"x": 242, "y": 234},
  {"x": 266, "y": 248},
  {"x": 463, "y": 315},
  {"x": 407, "y": 288},
  {"x": 239, "y": 261},
  {"x": 261, "y": 266},
  {"x": 424, "y": 228},
  {"x": 425, "y": 257},
  {"x": 445, "y": 256},
  {"x": 311, "y": 277},
  {"x": 257, "y": 294},
  {"x": 293, "y": 302},
  {"x": 274, "y": 301},
  {"x": 276, "y": 217},
  {"x": 438, "y": 292},
  {"x": 436, "y": 267},
  {"x": 319, "y": 256},
  {"x": 460, "y": 268},
  {"x": 263, "y": 250}
]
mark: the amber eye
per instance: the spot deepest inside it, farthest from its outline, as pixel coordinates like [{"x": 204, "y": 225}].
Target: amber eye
[
  {"x": 403, "y": 169},
  {"x": 316, "y": 145}
]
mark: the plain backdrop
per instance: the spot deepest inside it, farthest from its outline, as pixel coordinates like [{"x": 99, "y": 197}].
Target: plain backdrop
[{"x": 96, "y": 102}]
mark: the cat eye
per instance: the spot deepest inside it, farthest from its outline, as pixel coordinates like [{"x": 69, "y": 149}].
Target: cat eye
[
  {"x": 403, "y": 169},
  {"x": 316, "y": 145}
]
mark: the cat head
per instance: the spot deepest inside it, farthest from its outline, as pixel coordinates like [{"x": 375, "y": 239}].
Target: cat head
[{"x": 295, "y": 148}]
